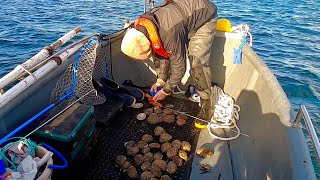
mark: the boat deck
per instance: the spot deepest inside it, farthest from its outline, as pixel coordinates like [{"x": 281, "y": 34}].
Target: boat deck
[{"x": 124, "y": 127}]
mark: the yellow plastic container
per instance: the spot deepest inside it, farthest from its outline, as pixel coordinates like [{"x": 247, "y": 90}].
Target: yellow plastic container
[{"x": 223, "y": 25}]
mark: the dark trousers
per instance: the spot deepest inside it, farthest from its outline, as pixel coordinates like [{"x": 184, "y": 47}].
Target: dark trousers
[{"x": 199, "y": 50}]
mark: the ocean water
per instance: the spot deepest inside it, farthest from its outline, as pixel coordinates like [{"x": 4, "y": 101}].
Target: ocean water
[{"x": 286, "y": 36}]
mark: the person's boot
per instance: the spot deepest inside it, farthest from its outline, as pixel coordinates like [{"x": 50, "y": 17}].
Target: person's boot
[
  {"x": 116, "y": 88},
  {"x": 133, "y": 91},
  {"x": 205, "y": 113}
]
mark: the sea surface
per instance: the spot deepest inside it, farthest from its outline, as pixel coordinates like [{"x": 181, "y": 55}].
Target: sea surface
[{"x": 286, "y": 36}]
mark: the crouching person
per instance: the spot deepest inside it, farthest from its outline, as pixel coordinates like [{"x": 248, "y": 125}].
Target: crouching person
[{"x": 166, "y": 34}]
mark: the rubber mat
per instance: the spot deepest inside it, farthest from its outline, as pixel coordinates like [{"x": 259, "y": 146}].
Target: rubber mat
[
  {"x": 106, "y": 111},
  {"x": 124, "y": 127}
]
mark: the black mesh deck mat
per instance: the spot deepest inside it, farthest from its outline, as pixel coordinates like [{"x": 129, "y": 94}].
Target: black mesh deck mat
[{"x": 123, "y": 128}]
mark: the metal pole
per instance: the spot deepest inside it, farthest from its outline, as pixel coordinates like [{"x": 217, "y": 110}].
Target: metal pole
[
  {"x": 303, "y": 114},
  {"x": 145, "y": 6},
  {"x": 311, "y": 131}
]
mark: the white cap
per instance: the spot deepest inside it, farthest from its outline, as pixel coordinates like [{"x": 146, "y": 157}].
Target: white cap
[{"x": 136, "y": 45}]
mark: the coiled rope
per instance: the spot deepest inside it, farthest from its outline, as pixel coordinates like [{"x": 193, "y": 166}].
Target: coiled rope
[{"x": 225, "y": 116}]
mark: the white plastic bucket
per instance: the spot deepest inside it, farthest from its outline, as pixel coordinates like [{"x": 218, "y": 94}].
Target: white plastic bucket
[{"x": 46, "y": 174}]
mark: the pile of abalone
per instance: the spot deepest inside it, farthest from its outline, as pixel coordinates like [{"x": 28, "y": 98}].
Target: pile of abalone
[{"x": 155, "y": 156}]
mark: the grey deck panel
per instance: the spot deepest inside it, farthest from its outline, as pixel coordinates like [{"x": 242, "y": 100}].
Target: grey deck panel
[{"x": 220, "y": 161}]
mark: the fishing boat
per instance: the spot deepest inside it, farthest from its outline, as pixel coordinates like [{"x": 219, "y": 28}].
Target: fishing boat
[{"x": 271, "y": 144}]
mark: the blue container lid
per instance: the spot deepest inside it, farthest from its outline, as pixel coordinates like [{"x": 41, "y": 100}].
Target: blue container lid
[{"x": 152, "y": 93}]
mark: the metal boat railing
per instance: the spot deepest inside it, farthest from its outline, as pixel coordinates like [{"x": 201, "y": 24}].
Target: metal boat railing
[
  {"x": 146, "y": 2},
  {"x": 303, "y": 113}
]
